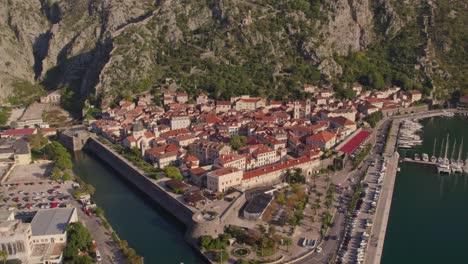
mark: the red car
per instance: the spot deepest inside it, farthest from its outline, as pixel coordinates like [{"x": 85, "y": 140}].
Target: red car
[{"x": 57, "y": 187}]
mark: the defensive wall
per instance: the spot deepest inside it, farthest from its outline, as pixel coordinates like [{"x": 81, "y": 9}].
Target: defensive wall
[
  {"x": 405, "y": 110},
  {"x": 152, "y": 189},
  {"x": 138, "y": 178}
]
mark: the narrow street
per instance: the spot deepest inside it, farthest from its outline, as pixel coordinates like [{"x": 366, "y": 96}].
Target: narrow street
[{"x": 110, "y": 250}]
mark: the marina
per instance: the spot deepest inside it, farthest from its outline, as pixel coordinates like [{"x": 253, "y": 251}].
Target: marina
[
  {"x": 438, "y": 197},
  {"x": 443, "y": 163},
  {"x": 408, "y": 134},
  {"x": 409, "y": 137}
]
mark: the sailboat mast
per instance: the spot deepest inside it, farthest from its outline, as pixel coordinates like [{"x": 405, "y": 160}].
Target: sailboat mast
[
  {"x": 441, "y": 148},
  {"x": 433, "y": 148},
  {"x": 460, "y": 150},
  {"x": 453, "y": 149},
  {"x": 446, "y": 147}
]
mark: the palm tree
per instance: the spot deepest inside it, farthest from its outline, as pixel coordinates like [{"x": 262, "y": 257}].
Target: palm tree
[
  {"x": 288, "y": 175},
  {"x": 271, "y": 230},
  {"x": 315, "y": 178},
  {"x": 262, "y": 230},
  {"x": 4, "y": 256},
  {"x": 297, "y": 174},
  {"x": 287, "y": 241}
]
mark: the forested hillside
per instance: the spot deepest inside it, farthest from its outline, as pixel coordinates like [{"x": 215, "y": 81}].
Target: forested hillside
[{"x": 112, "y": 49}]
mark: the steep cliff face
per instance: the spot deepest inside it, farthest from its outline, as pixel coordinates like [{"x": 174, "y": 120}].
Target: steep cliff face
[
  {"x": 21, "y": 23},
  {"x": 235, "y": 33},
  {"x": 117, "y": 47},
  {"x": 57, "y": 41}
]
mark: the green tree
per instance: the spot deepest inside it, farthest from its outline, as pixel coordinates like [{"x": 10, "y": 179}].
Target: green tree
[
  {"x": 281, "y": 198},
  {"x": 78, "y": 239},
  {"x": 237, "y": 141},
  {"x": 56, "y": 173},
  {"x": 288, "y": 175},
  {"x": 374, "y": 118},
  {"x": 4, "y": 256},
  {"x": 99, "y": 212},
  {"x": 37, "y": 141},
  {"x": 205, "y": 242},
  {"x": 66, "y": 176},
  {"x": 5, "y": 113},
  {"x": 173, "y": 172},
  {"x": 287, "y": 241},
  {"x": 89, "y": 189}
]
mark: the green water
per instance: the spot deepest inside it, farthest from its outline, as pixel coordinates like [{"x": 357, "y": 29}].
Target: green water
[
  {"x": 429, "y": 215},
  {"x": 152, "y": 232}
]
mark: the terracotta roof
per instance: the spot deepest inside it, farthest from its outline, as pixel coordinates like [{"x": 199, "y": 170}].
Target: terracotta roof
[
  {"x": 275, "y": 167},
  {"x": 222, "y": 172},
  {"x": 19, "y": 132},
  {"x": 323, "y": 136},
  {"x": 250, "y": 100},
  {"x": 177, "y": 132},
  {"x": 168, "y": 148},
  {"x": 48, "y": 129},
  {"x": 197, "y": 171},
  {"x": 342, "y": 121},
  {"x": 223, "y": 103},
  {"x": 414, "y": 92},
  {"x": 228, "y": 158}
]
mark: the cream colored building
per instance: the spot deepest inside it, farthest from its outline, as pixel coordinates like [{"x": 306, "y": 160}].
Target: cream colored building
[
  {"x": 233, "y": 160},
  {"x": 274, "y": 173},
  {"x": 51, "y": 98},
  {"x": 263, "y": 156},
  {"x": 178, "y": 122},
  {"x": 249, "y": 104},
  {"x": 41, "y": 241},
  {"x": 15, "y": 239},
  {"x": 222, "y": 179}
]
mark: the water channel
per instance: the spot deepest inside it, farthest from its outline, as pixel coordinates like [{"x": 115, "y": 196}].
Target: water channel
[{"x": 151, "y": 231}]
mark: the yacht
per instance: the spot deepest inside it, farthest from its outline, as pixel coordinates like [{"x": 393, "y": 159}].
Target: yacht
[
  {"x": 465, "y": 168},
  {"x": 416, "y": 157}
]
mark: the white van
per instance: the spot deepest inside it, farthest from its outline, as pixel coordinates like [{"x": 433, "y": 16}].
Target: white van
[{"x": 98, "y": 256}]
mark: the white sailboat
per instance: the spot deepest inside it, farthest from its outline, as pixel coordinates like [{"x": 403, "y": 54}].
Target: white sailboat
[
  {"x": 444, "y": 166},
  {"x": 433, "y": 157}
]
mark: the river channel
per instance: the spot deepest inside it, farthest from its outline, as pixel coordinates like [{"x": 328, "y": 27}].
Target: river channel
[
  {"x": 429, "y": 215},
  {"x": 151, "y": 231}
]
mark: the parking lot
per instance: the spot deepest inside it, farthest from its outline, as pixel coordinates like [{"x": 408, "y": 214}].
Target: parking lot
[
  {"x": 30, "y": 173},
  {"x": 357, "y": 233},
  {"x": 34, "y": 195}
]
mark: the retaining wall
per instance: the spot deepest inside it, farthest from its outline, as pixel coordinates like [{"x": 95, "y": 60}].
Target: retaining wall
[{"x": 137, "y": 177}]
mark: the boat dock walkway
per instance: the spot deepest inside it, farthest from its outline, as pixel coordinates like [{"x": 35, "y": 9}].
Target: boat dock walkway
[{"x": 419, "y": 161}]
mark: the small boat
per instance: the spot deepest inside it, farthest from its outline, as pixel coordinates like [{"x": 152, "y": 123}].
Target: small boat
[
  {"x": 416, "y": 157},
  {"x": 425, "y": 157},
  {"x": 398, "y": 169}
]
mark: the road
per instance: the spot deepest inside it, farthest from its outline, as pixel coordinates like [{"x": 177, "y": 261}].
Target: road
[
  {"x": 109, "y": 250},
  {"x": 330, "y": 246}
]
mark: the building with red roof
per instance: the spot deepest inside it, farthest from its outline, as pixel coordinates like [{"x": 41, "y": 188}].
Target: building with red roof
[
  {"x": 325, "y": 140},
  {"x": 273, "y": 174},
  {"x": 17, "y": 133}
]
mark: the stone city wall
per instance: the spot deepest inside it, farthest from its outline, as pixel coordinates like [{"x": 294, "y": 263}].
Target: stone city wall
[
  {"x": 137, "y": 177},
  {"x": 405, "y": 110}
]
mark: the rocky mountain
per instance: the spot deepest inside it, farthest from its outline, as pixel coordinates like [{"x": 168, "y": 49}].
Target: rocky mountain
[{"x": 114, "y": 48}]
